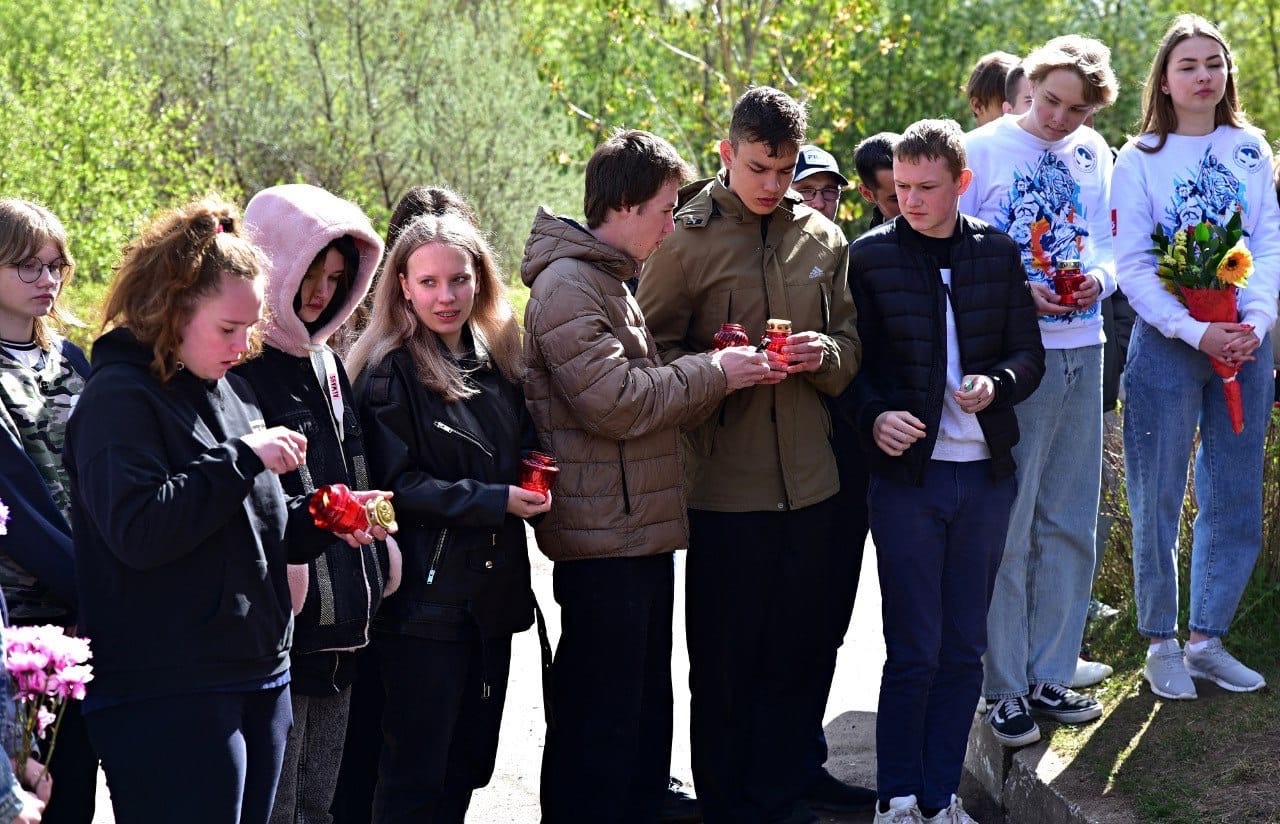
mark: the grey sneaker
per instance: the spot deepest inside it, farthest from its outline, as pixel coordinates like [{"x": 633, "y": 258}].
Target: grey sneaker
[
  {"x": 901, "y": 811},
  {"x": 1166, "y": 671},
  {"x": 1221, "y": 667},
  {"x": 953, "y": 814},
  {"x": 1099, "y": 611}
]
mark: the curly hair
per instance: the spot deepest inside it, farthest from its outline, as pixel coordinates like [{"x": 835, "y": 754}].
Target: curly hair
[{"x": 179, "y": 259}]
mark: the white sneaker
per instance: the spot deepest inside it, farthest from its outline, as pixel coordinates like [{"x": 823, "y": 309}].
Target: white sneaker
[
  {"x": 1089, "y": 673},
  {"x": 1166, "y": 671},
  {"x": 1221, "y": 667},
  {"x": 901, "y": 810},
  {"x": 953, "y": 814}
]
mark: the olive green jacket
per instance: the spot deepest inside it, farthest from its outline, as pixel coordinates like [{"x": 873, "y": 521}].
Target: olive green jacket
[{"x": 766, "y": 448}]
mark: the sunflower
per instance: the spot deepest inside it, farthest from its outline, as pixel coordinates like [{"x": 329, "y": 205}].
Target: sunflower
[{"x": 1236, "y": 266}]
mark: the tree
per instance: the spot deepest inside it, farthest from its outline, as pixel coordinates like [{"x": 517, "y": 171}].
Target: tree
[{"x": 367, "y": 99}]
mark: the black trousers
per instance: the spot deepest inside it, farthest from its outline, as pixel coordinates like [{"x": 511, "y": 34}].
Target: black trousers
[
  {"x": 440, "y": 724},
  {"x": 205, "y": 758},
  {"x": 608, "y": 755},
  {"x": 759, "y": 624},
  {"x": 844, "y": 567},
  {"x": 74, "y": 770}
]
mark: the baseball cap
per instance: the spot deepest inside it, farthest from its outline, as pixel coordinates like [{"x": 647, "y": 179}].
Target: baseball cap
[{"x": 813, "y": 160}]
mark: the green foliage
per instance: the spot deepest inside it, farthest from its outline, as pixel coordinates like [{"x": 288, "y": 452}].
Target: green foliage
[
  {"x": 366, "y": 100},
  {"x": 86, "y": 136}
]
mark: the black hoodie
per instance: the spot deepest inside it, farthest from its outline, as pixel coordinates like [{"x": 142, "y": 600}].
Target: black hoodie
[{"x": 179, "y": 532}]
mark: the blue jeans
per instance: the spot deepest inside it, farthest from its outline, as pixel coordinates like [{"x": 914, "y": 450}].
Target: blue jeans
[
  {"x": 1170, "y": 389},
  {"x": 937, "y": 549},
  {"x": 1041, "y": 597}
]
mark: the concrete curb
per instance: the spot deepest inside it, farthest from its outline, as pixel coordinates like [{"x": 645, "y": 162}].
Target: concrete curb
[{"x": 1030, "y": 784}]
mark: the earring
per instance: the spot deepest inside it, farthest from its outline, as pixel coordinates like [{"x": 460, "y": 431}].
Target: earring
[{"x": 181, "y": 366}]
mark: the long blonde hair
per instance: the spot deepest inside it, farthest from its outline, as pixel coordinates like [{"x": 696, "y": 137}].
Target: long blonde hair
[{"x": 394, "y": 323}]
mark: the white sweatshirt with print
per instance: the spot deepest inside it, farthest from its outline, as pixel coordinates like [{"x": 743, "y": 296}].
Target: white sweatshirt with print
[
  {"x": 1052, "y": 198},
  {"x": 1191, "y": 179}
]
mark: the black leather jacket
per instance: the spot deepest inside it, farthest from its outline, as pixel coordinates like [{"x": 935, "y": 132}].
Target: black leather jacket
[{"x": 466, "y": 565}]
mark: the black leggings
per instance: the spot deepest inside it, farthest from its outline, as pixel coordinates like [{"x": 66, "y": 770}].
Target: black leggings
[{"x": 206, "y": 758}]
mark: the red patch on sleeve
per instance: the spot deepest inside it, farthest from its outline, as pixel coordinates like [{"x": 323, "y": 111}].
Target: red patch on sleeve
[{"x": 1113, "y": 222}]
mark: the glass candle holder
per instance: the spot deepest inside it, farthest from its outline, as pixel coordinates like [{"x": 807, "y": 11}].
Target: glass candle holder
[
  {"x": 776, "y": 332},
  {"x": 538, "y": 472},
  {"x": 1067, "y": 280},
  {"x": 335, "y": 509},
  {"x": 731, "y": 334}
]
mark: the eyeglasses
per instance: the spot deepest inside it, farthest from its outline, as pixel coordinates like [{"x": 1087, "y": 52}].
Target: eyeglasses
[
  {"x": 830, "y": 194},
  {"x": 29, "y": 270}
]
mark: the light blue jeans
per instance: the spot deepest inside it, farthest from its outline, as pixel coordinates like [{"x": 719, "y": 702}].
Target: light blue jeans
[
  {"x": 1170, "y": 389},
  {"x": 1041, "y": 597}
]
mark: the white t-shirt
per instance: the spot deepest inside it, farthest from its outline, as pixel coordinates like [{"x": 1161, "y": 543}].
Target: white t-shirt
[
  {"x": 960, "y": 437},
  {"x": 1191, "y": 179},
  {"x": 1052, "y": 198}
]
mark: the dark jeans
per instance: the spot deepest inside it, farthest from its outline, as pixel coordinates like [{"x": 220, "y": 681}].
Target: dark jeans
[
  {"x": 608, "y": 756},
  {"x": 358, "y": 775},
  {"x": 439, "y": 725},
  {"x": 204, "y": 758},
  {"x": 938, "y": 548},
  {"x": 74, "y": 770},
  {"x": 843, "y": 568},
  {"x": 759, "y": 624}
]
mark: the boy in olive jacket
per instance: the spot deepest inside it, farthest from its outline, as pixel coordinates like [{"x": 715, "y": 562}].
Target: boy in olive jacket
[{"x": 760, "y": 468}]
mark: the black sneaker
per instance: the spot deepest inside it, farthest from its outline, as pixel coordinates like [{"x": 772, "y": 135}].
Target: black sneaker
[
  {"x": 678, "y": 806},
  {"x": 1011, "y": 723},
  {"x": 1062, "y": 704},
  {"x": 832, "y": 795}
]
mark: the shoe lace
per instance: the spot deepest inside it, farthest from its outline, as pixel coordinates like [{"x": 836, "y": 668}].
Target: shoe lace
[{"x": 1011, "y": 708}]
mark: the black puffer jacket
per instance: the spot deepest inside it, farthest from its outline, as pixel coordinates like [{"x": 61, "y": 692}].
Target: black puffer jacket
[
  {"x": 902, "y": 323},
  {"x": 466, "y": 565}
]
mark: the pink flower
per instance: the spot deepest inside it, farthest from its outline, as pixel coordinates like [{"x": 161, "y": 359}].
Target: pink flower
[{"x": 44, "y": 719}]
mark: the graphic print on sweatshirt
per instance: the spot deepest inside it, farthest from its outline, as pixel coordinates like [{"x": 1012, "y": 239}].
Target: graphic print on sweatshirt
[
  {"x": 1043, "y": 213},
  {"x": 1211, "y": 191}
]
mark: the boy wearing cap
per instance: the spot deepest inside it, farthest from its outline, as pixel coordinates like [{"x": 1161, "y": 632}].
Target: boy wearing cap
[{"x": 818, "y": 180}]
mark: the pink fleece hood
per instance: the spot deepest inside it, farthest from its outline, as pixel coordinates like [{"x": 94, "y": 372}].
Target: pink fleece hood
[{"x": 291, "y": 224}]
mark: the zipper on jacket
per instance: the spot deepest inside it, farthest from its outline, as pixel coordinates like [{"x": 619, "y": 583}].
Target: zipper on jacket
[
  {"x": 626, "y": 494},
  {"x": 435, "y": 557},
  {"x": 466, "y": 436}
]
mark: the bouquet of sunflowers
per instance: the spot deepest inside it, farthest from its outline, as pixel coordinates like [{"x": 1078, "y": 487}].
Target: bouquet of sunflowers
[{"x": 1203, "y": 266}]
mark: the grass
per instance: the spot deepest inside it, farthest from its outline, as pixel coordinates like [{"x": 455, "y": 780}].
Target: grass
[{"x": 1177, "y": 762}]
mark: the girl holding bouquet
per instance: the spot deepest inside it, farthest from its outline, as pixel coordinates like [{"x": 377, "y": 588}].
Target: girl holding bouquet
[
  {"x": 41, "y": 377},
  {"x": 182, "y": 532},
  {"x": 1196, "y": 160},
  {"x": 439, "y": 371}
]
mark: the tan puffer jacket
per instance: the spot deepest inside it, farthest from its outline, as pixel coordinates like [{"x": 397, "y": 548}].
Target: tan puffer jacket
[{"x": 604, "y": 404}]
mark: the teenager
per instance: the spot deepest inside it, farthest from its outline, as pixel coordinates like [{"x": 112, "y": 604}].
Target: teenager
[
  {"x": 439, "y": 371},
  {"x": 183, "y": 533},
  {"x": 1196, "y": 159},
  {"x": 1043, "y": 177},
  {"x": 41, "y": 377},
  {"x": 936, "y": 410}
]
